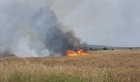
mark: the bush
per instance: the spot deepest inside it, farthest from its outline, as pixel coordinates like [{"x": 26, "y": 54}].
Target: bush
[
  {"x": 130, "y": 48},
  {"x": 91, "y": 49},
  {"x": 105, "y": 48}
]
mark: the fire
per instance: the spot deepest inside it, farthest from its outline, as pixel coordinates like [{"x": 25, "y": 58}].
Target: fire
[{"x": 78, "y": 52}]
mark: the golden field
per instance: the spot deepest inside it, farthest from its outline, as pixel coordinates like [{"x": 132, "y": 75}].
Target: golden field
[{"x": 99, "y": 66}]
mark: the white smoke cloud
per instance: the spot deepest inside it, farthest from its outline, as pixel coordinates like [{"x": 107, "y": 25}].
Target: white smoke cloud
[
  {"x": 22, "y": 29},
  {"x": 31, "y": 28}
]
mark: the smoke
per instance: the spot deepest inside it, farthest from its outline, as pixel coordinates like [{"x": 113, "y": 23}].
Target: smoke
[
  {"x": 64, "y": 8},
  {"x": 31, "y": 28}
]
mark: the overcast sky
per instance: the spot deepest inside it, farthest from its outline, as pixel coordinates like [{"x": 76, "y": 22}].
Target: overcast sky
[{"x": 102, "y": 22}]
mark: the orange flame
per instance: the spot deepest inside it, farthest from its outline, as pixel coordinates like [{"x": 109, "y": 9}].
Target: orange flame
[{"x": 79, "y": 52}]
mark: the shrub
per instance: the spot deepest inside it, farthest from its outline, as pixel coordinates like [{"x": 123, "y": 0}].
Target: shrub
[
  {"x": 130, "y": 48},
  {"x": 91, "y": 49},
  {"x": 105, "y": 48}
]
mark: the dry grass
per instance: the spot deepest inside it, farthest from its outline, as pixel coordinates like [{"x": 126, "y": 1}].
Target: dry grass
[{"x": 100, "y": 66}]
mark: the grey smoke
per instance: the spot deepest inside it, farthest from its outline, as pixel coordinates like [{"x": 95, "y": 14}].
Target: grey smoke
[
  {"x": 63, "y": 8},
  {"x": 31, "y": 28}
]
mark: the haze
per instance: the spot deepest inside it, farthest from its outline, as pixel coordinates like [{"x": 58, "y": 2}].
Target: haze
[{"x": 102, "y": 22}]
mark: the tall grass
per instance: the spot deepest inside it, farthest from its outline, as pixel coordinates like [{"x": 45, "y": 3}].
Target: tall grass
[
  {"x": 100, "y": 66},
  {"x": 22, "y": 77}
]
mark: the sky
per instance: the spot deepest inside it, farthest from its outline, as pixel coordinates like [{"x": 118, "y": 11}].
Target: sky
[
  {"x": 43, "y": 27},
  {"x": 101, "y": 22}
]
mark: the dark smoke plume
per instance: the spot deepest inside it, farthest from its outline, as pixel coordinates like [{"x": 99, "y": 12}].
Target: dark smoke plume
[
  {"x": 33, "y": 30},
  {"x": 58, "y": 38}
]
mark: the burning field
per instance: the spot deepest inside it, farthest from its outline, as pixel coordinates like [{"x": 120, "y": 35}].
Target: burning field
[
  {"x": 102, "y": 66},
  {"x": 36, "y": 47},
  {"x": 78, "y": 52}
]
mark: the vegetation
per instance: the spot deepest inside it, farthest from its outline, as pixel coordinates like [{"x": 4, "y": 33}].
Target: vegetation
[
  {"x": 23, "y": 77},
  {"x": 99, "y": 66},
  {"x": 91, "y": 49},
  {"x": 105, "y": 48}
]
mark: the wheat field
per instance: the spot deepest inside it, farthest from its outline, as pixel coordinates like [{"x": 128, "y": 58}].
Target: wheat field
[{"x": 99, "y": 66}]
